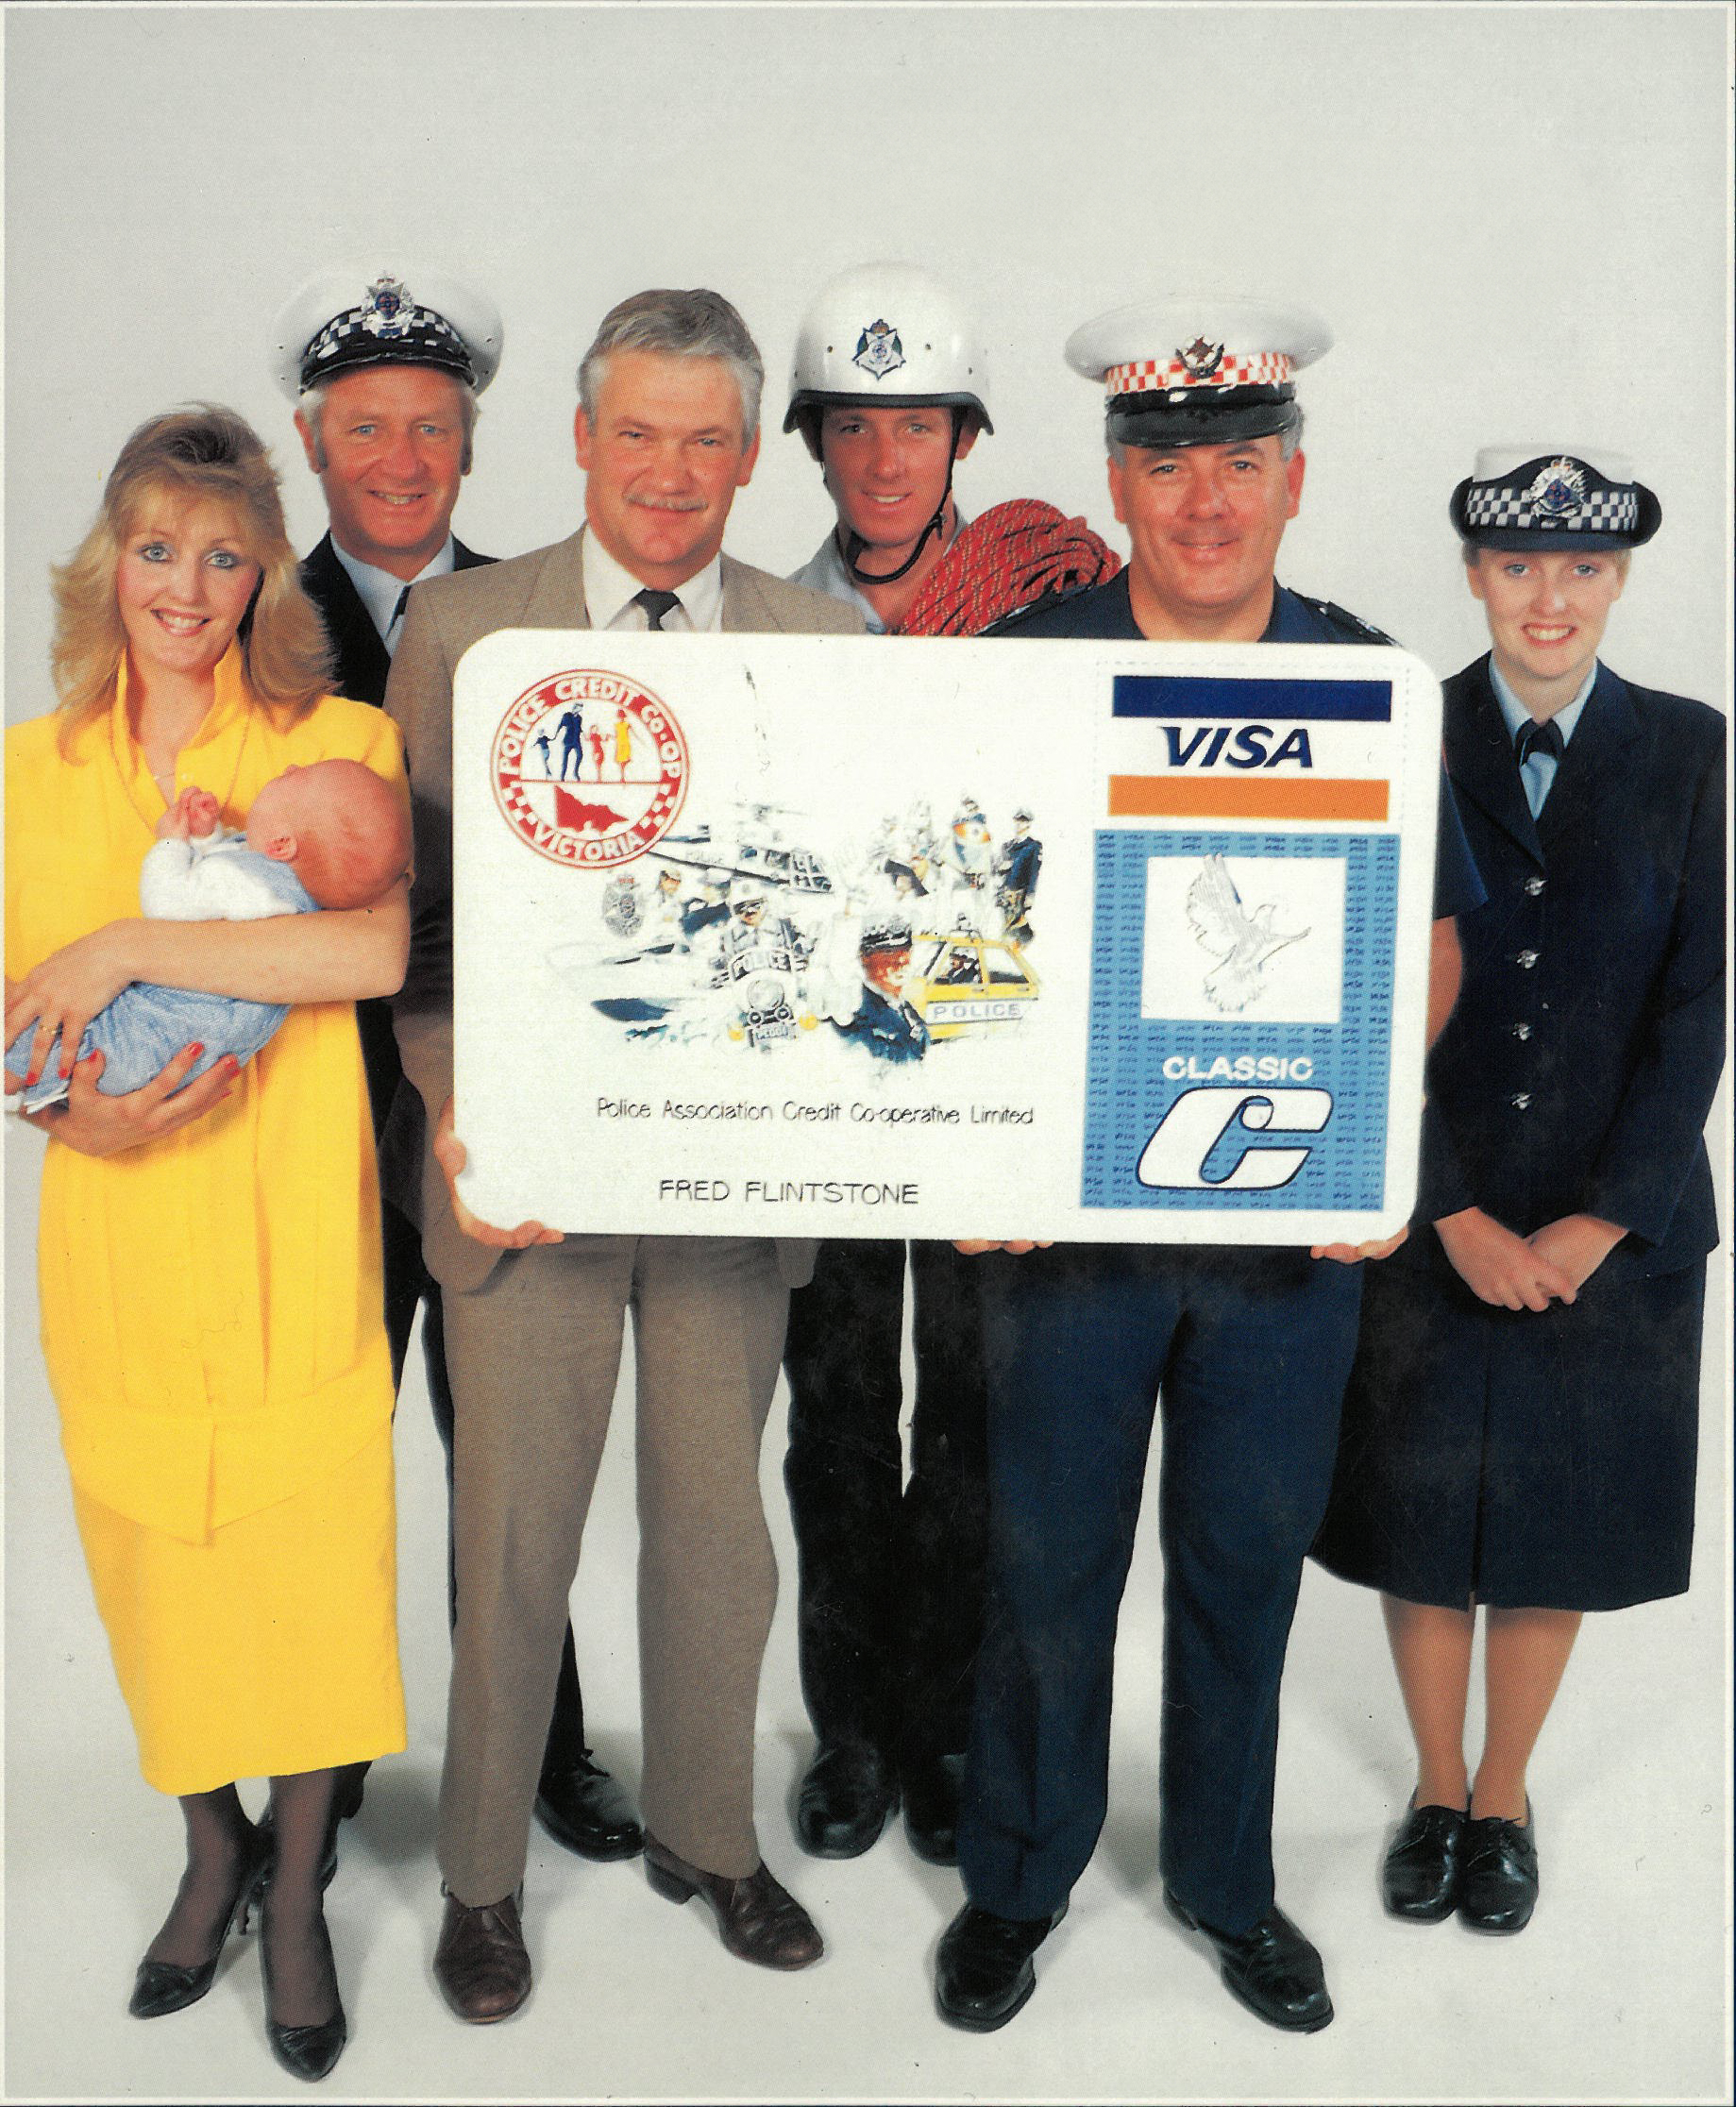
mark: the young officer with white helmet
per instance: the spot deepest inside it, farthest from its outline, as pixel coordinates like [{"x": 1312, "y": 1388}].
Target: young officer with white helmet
[
  {"x": 1245, "y": 1348},
  {"x": 890, "y": 391}
]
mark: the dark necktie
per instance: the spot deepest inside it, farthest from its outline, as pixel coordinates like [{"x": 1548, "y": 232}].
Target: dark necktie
[
  {"x": 1544, "y": 738},
  {"x": 657, "y": 604}
]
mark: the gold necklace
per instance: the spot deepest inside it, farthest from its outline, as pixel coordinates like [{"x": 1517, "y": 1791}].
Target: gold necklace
[{"x": 224, "y": 803}]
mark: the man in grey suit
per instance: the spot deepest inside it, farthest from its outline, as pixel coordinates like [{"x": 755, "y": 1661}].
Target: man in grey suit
[{"x": 666, "y": 432}]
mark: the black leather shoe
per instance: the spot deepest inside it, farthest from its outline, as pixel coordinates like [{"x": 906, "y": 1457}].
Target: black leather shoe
[
  {"x": 481, "y": 1962},
  {"x": 1418, "y": 1877},
  {"x": 845, "y": 1800},
  {"x": 931, "y": 1808},
  {"x": 160, "y": 1987},
  {"x": 586, "y": 1809},
  {"x": 1497, "y": 1888},
  {"x": 307, "y": 2052},
  {"x": 983, "y": 1971},
  {"x": 1272, "y": 1969}
]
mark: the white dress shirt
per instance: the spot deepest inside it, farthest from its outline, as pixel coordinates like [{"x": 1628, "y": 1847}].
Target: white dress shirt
[{"x": 610, "y": 591}]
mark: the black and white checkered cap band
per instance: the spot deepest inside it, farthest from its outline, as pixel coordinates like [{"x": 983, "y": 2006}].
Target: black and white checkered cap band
[
  {"x": 416, "y": 336},
  {"x": 1513, "y": 507}
]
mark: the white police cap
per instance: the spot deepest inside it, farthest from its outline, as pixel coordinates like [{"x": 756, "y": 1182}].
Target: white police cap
[
  {"x": 1188, "y": 371},
  {"x": 1551, "y": 499},
  {"x": 359, "y": 317}
]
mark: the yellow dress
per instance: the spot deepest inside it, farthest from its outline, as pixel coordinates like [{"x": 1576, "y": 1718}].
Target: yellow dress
[{"x": 211, "y": 1308}]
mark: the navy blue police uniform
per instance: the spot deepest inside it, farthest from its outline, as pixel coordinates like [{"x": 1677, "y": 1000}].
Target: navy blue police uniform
[
  {"x": 1546, "y": 1459},
  {"x": 1244, "y": 1349}
]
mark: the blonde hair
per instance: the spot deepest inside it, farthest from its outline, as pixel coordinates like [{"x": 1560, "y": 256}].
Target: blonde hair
[{"x": 202, "y": 454}]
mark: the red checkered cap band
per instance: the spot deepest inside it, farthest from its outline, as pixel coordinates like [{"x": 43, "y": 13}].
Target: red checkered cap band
[{"x": 1255, "y": 369}]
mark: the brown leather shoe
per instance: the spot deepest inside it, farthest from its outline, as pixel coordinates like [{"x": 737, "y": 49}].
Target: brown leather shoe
[
  {"x": 481, "y": 1962},
  {"x": 758, "y": 1918}
]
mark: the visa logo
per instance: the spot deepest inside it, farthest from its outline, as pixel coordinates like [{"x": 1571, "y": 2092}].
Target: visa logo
[{"x": 1247, "y": 746}]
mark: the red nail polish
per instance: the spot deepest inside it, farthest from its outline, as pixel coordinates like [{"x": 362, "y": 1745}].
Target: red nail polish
[{"x": 197, "y": 1049}]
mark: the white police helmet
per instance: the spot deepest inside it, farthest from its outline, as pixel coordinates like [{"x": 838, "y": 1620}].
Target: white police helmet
[{"x": 886, "y": 333}]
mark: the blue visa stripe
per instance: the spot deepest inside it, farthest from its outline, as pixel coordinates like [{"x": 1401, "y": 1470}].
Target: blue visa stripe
[{"x": 1168, "y": 695}]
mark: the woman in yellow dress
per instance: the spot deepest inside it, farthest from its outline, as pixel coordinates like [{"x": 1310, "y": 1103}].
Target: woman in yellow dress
[{"x": 209, "y": 1256}]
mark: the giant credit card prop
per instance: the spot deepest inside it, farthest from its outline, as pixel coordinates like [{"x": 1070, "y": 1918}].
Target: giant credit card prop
[{"x": 840, "y": 936}]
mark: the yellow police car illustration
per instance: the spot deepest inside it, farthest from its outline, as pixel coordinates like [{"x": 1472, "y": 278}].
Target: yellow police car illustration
[{"x": 961, "y": 981}]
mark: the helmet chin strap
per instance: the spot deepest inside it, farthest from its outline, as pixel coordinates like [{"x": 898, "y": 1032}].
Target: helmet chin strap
[{"x": 852, "y": 544}]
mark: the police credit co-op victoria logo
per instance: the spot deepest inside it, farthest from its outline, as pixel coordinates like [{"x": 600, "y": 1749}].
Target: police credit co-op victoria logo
[{"x": 589, "y": 768}]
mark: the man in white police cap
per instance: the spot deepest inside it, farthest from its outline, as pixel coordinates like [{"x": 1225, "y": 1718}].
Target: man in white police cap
[
  {"x": 385, "y": 368},
  {"x": 889, "y": 390},
  {"x": 1245, "y": 1348}
]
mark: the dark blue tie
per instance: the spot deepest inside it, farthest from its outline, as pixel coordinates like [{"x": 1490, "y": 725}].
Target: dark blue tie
[{"x": 1544, "y": 739}]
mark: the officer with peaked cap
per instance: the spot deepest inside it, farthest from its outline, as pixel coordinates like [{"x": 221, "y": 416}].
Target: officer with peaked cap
[
  {"x": 384, "y": 367},
  {"x": 1521, "y": 1426},
  {"x": 889, "y": 390},
  {"x": 1244, "y": 1349}
]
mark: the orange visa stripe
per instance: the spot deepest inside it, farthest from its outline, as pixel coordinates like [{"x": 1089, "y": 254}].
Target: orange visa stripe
[{"x": 1215, "y": 798}]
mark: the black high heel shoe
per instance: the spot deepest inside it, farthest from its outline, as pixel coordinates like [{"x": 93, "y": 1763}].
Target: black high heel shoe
[
  {"x": 160, "y": 1987},
  {"x": 308, "y": 2052}
]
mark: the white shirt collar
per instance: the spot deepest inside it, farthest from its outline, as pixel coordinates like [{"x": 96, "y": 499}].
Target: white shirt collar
[
  {"x": 1516, "y": 715},
  {"x": 610, "y": 590},
  {"x": 826, "y": 571},
  {"x": 380, "y": 591}
]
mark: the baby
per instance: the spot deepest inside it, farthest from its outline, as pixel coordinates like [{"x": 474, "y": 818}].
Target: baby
[{"x": 332, "y": 834}]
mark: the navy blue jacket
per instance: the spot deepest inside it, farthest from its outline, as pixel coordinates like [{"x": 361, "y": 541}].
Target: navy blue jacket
[
  {"x": 362, "y": 661},
  {"x": 1578, "y": 1070},
  {"x": 360, "y": 666}
]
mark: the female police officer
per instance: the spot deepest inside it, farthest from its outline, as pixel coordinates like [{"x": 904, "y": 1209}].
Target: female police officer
[{"x": 1520, "y": 1426}]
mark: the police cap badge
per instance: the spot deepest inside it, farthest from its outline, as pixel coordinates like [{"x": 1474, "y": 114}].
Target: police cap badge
[
  {"x": 1188, "y": 372},
  {"x": 1544, "y": 498},
  {"x": 348, "y": 318}
]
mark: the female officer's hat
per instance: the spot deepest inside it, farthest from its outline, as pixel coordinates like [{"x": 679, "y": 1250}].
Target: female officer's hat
[
  {"x": 348, "y": 318},
  {"x": 1188, "y": 372},
  {"x": 1533, "y": 497}
]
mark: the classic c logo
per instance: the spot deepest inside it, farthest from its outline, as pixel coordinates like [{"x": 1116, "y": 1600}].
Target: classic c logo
[{"x": 1185, "y": 1136}]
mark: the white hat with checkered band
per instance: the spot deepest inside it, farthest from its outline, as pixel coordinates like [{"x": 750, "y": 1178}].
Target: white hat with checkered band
[{"x": 1191, "y": 371}]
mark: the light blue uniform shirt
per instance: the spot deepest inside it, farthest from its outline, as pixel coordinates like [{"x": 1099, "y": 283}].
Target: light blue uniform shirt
[
  {"x": 382, "y": 593},
  {"x": 1538, "y": 774}
]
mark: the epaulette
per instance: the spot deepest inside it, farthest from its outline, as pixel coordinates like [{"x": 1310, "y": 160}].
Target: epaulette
[
  {"x": 1357, "y": 629},
  {"x": 1010, "y": 624}
]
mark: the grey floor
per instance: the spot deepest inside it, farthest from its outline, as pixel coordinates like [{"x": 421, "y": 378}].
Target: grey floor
[{"x": 1619, "y": 1990}]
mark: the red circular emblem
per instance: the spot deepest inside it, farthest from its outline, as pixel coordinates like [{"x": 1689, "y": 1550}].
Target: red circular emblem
[{"x": 589, "y": 768}]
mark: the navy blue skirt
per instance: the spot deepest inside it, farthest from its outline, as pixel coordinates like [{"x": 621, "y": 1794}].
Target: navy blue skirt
[{"x": 1537, "y": 1461}]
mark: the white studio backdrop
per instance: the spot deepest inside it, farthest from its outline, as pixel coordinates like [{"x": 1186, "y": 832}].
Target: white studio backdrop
[{"x": 1515, "y": 219}]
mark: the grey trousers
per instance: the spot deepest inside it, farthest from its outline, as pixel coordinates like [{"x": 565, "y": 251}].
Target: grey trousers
[{"x": 533, "y": 1354}]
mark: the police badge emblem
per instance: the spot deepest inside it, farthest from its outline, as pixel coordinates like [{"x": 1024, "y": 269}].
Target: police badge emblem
[
  {"x": 1558, "y": 491},
  {"x": 1200, "y": 358},
  {"x": 639, "y": 768},
  {"x": 384, "y": 316},
  {"x": 878, "y": 350}
]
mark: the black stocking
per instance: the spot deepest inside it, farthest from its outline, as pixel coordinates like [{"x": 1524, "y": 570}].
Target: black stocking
[
  {"x": 218, "y": 1858},
  {"x": 303, "y": 1988}
]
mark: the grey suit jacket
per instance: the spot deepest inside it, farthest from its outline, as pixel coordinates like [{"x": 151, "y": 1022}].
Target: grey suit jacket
[{"x": 544, "y": 589}]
